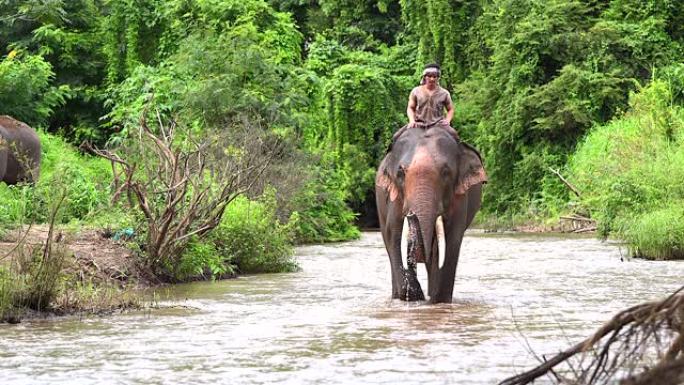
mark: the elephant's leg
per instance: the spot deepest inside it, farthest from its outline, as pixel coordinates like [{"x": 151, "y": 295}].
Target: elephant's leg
[
  {"x": 391, "y": 234},
  {"x": 441, "y": 281},
  {"x": 3, "y": 161},
  {"x": 13, "y": 170}
]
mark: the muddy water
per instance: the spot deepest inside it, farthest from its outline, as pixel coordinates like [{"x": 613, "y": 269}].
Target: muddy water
[{"x": 334, "y": 323}]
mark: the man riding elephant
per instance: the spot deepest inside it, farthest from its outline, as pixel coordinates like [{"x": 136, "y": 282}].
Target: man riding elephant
[
  {"x": 428, "y": 189},
  {"x": 428, "y": 102}
]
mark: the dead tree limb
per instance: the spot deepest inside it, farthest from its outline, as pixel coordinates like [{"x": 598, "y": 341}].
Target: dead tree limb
[
  {"x": 643, "y": 344},
  {"x": 568, "y": 184},
  {"x": 183, "y": 182}
]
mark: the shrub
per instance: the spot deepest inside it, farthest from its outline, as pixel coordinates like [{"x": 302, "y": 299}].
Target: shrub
[
  {"x": 627, "y": 170},
  {"x": 251, "y": 237},
  {"x": 201, "y": 260},
  {"x": 658, "y": 234}
]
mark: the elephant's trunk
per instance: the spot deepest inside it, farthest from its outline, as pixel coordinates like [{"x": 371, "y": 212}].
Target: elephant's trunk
[
  {"x": 417, "y": 237},
  {"x": 426, "y": 226},
  {"x": 412, "y": 245}
]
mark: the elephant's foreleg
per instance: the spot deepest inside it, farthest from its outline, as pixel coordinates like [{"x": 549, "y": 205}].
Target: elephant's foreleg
[
  {"x": 391, "y": 233},
  {"x": 441, "y": 281}
]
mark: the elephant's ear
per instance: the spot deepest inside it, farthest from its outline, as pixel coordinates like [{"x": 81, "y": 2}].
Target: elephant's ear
[
  {"x": 470, "y": 169},
  {"x": 383, "y": 181}
]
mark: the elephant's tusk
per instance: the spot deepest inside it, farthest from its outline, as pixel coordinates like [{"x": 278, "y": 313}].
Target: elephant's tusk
[
  {"x": 441, "y": 240},
  {"x": 404, "y": 243}
]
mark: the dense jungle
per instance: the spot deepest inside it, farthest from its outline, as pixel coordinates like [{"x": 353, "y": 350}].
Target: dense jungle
[
  {"x": 583, "y": 92},
  {"x": 191, "y": 140}
]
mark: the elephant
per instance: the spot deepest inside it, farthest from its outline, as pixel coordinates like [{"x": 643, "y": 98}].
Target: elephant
[
  {"x": 428, "y": 188},
  {"x": 20, "y": 151}
]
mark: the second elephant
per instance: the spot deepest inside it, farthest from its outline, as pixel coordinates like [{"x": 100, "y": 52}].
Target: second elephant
[{"x": 20, "y": 151}]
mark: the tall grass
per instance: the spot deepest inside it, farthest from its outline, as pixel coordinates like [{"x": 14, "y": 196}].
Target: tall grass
[
  {"x": 630, "y": 173},
  {"x": 30, "y": 279}
]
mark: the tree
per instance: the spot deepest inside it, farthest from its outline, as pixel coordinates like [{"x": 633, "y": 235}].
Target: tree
[{"x": 182, "y": 182}]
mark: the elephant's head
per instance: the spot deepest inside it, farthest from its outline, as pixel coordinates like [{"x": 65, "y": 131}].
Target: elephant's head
[{"x": 421, "y": 187}]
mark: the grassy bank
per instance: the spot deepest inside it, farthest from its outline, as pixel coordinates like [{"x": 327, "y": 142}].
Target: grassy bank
[
  {"x": 66, "y": 248},
  {"x": 629, "y": 173}
]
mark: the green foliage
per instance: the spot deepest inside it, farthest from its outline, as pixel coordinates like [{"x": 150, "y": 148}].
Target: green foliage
[
  {"x": 442, "y": 29},
  {"x": 322, "y": 213},
  {"x": 556, "y": 69},
  {"x": 629, "y": 173},
  {"x": 202, "y": 260},
  {"x": 218, "y": 76},
  {"x": 658, "y": 234},
  {"x": 159, "y": 86},
  {"x": 243, "y": 74},
  {"x": 251, "y": 237},
  {"x": 25, "y": 90},
  {"x": 357, "y": 24},
  {"x": 133, "y": 30}
]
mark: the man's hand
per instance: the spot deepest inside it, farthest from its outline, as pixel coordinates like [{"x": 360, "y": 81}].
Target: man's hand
[
  {"x": 412, "y": 124},
  {"x": 445, "y": 122}
]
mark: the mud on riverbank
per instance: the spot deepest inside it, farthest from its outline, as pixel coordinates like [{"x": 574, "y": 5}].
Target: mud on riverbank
[{"x": 97, "y": 274}]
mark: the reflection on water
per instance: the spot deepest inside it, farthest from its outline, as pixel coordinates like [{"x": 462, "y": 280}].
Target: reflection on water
[{"x": 334, "y": 322}]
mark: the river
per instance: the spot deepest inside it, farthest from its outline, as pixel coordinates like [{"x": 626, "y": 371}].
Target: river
[{"x": 334, "y": 322}]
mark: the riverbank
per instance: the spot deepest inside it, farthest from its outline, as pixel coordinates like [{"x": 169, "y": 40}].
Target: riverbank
[
  {"x": 86, "y": 271},
  {"x": 100, "y": 273},
  {"x": 567, "y": 224}
]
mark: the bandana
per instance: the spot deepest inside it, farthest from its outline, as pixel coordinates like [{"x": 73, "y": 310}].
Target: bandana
[{"x": 431, "y": 70}]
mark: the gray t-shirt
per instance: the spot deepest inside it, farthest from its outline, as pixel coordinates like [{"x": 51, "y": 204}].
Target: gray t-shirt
[{"x": 430, "y": 107}]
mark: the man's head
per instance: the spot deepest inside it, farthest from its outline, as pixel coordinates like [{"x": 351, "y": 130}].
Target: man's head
[{"x": 431, "y": 74}]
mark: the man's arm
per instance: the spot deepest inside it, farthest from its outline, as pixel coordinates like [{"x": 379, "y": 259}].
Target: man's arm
[
  {"x": 411, "y": 110},
  {"x": 450, "y": 111}
]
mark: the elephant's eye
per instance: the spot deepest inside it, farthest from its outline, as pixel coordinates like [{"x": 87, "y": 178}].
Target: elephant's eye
[
  {"x": 401, "y": 172},
  {"x": 446, "y": 172}
]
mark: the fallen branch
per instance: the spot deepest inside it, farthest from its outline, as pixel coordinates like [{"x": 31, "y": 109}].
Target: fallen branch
[
  {"x": 570, "y": 186},
  {"x": 576, "y": 217},
  {"x": 627, "y": 345}
]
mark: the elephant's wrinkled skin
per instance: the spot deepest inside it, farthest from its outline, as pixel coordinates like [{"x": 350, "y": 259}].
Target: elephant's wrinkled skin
[
  {"x": 427, "y": 174},
  {"x": 19, "y": 151}
]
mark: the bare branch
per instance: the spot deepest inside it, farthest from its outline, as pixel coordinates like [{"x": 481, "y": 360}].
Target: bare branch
[
  {"x": 626, "y": 345},
  {"x": 568, "y": 184}
]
